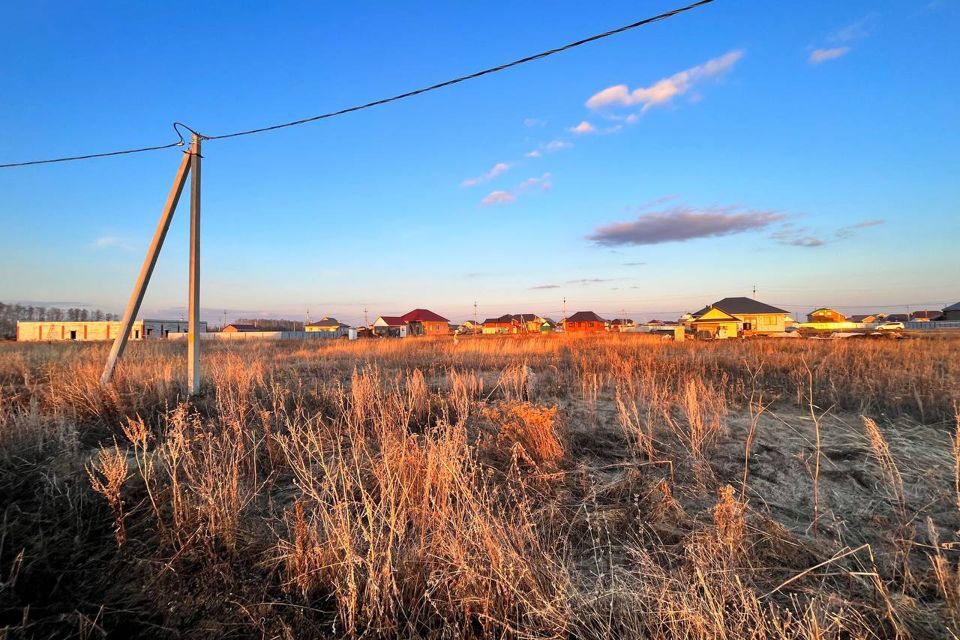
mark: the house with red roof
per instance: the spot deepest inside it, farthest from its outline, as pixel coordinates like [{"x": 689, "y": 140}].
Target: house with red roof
[
  {"x": 389, "y": 327},
  {"x": 423, "y": 322}
]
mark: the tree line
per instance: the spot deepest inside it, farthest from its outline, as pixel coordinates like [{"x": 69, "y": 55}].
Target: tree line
[{"x": 10, "y": 314}]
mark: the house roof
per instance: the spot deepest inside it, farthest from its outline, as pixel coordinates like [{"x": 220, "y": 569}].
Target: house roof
[
  {"x": 325, "y": 322},
  {"x": 861, "y": 318},
  {"x": 422, "y": 315},
  {"x": 739, "y": 306},
  {"x": 925, "y": 313},
  {"x": 501, "y": 320},
  {"x": 392, "y": 321},
  {"x": 585, "y": 316},
  {"x": 242, "y": 327},
  {"x": 898, "y": 317},
  {"x": 624, "y": 321},
  {"x": 524, "y": 317},
  {"x": 726, "y": 317},
  {"x": 953, "y": 307}
]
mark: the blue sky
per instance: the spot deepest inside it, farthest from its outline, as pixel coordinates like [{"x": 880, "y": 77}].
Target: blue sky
[{"x": 809, "y": 149}]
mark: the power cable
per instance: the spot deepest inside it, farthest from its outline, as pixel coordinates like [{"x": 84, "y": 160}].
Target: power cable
[{"x": 375, "y": 103}]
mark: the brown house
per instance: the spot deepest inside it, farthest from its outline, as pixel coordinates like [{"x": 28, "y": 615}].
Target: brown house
[
  {"x": 423, "y": 322},
  {"x": 924, "y": 315},
  {"x": 585, "y": 322},
  {"x": 824, "y": 314},
  {"x": 239, "y": 328}
]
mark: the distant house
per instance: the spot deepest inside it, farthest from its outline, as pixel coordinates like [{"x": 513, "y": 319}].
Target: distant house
[
  {"x": 423, "y": 322},
  {"x": 951, "y": 313},
  {"x": 389, "y": 327},
  {"x": 739, "y": 316},
  {"x": 501, "y": 324},
  {"x": 715, "y": 323},
  {"x": 585, "y": 322},
  {"x": 622, "y": 324},
  {"x": 548, "y": 326},
  {"x": 528, "y": 322},
  {"x": 327, "y": 325},
  {"x": 867, "y": 319},
  {"x": 823, "y": 314},
  {"x": 897, "y": 317},
  {"x": 924, "y": 316},
  {"x": 237, "y": 327},
  {"x": 471, "y": 327}
]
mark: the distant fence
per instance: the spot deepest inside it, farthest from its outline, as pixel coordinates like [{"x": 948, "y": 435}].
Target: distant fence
[
  {"x": 261, "y": 335},
  {"x": 932, "y": 326}
]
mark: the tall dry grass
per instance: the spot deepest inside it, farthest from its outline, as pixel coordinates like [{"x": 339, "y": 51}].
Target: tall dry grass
[{"x": 550, "y": 487}]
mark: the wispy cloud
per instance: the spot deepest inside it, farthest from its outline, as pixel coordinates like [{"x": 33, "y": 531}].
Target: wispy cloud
[
  {"x": 665, "y": 90},
  {"x": 532, "y": 123},
  {"x": 851, "y": 230},
  {"x": 583, "y": 127},
  {"x": 533, "y": 154},
  {"x": 634, "y": 264},
  {"x": 794, "y": 236},
  {"x": 496, "y": 170},
  {"x": 681, "y": 223},
  {"x": 791, "y": 236},
  {"x": 110, "y": 242},
  {"x": 544, "y": 286},
  {"x": 497, "y": 197},
  {"x": 841, "y": 40},
  {"x": 588, "y": 281},
  {"x": 543, "y": 183},
  {"x": 818, "y": 56}
]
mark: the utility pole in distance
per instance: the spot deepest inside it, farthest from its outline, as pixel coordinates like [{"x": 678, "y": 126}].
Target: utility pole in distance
[
  {"x": 366, "y": 320},
  {"x": 475, "y": 318}
]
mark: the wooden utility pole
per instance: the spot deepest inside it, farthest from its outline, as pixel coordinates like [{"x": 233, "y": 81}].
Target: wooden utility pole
[
  {"x": 475, "y": 317},
  {"x": 193, "y": 305},
  {"x": 140, "y": 288}
]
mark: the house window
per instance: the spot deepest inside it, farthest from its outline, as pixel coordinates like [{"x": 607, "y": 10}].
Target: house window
[{"x": 747, "y": 326}]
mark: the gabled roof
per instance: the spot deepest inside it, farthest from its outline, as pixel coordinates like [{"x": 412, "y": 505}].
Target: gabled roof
[
  {"x": 524, "y": 317},
  {"x": 422, "y": 315},
  {"x": 953, "y": 307},
  {"x": 740, "y": 306},
  {"x": 325, "y": 322},
  {"x": 242, "y": 327},
  {"x": 392, "y": 321},
  {"x": 925, "y": 313},
  {"x": 585, "y": 316},
  {"x": 719, "y": 315},
  {"x": 507, "y": 319}
]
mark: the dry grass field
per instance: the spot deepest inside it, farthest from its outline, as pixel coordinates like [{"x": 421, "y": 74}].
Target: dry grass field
[{"x": 550, "y": 487}]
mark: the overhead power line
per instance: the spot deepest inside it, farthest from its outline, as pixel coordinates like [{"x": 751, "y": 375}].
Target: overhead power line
[{"x": 375, "y": 103}]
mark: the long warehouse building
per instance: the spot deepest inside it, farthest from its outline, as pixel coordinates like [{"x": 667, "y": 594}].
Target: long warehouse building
[{"x": 99, "y": 330}]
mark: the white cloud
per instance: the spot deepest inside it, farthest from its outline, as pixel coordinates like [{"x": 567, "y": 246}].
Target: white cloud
[
  {"x": 543, "y": 183},
  {"x": 499, "y": 168},
  {"x": 532, "y": 154},
  {"x": 533, "y": 122},
  {"x": 497, "y": 197},
  {"x": 557, "y": 145},
  {"x": 665, "y": 90},
  {"x": 583, "y": 127},
  {"x": 822, "y": 55},
  {"x": 110, "y": 242}
]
